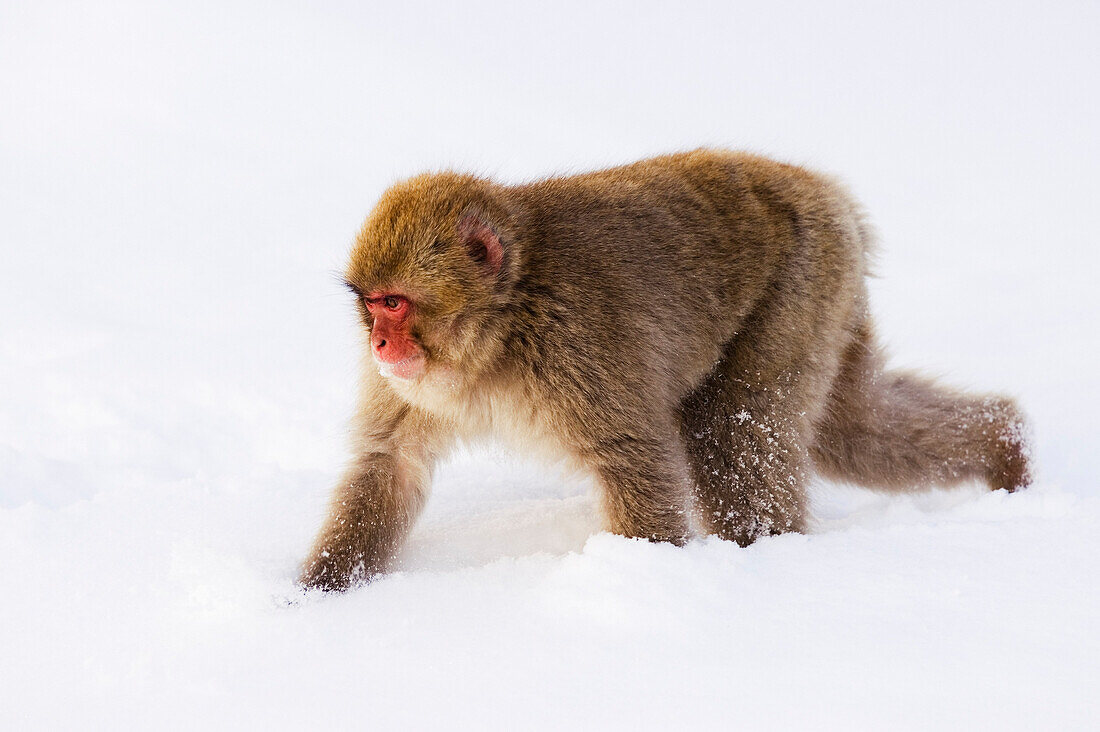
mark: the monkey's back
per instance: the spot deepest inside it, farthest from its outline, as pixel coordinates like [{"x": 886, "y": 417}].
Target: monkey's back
[{"x": 651, "y": 246}]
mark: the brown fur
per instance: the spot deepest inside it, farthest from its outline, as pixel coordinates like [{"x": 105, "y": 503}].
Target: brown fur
[{"x": 691, "y": 329}]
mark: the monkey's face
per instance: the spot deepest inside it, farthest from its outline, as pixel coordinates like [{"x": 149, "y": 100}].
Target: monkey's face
[
  {"x": 395, "y": 350},
  {"x": 426, "y": 270}
]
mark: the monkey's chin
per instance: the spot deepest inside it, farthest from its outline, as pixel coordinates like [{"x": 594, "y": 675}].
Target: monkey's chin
[{"x": 406, "y": 369}]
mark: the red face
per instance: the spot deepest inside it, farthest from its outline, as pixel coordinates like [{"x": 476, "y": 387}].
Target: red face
[{"x": 392, "y": 344}]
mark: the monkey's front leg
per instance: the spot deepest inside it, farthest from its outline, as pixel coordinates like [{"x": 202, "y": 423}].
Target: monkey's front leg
[
  {"x": 373, "y": 508},
  {"x": 644, "y": 484}
]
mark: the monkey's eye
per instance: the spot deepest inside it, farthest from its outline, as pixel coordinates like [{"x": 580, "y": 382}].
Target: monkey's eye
[{"x": 393, "y": 305}]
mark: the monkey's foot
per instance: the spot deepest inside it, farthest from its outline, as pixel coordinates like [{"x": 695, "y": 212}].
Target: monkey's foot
[{"x": 1012, "y": 471}]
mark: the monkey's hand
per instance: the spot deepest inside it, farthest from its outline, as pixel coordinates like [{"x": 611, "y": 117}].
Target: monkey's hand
[
  {"x": 333, "y": 570},
  {"x": 351, "y": 550},
  {"x": 371, "y": 512}
]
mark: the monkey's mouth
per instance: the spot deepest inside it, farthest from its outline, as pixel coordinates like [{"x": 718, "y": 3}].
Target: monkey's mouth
[{"x": 407, "y": 368}]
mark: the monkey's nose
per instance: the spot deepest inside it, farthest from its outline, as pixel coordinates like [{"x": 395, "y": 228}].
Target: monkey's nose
[{"x": 381, "y": 344}]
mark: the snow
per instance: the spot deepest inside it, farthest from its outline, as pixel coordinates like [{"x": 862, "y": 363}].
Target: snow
[{"x": 179, "y": 187}]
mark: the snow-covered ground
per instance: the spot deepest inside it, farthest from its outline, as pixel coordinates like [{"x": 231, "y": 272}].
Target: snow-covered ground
[{"x": 179, "y": 186}]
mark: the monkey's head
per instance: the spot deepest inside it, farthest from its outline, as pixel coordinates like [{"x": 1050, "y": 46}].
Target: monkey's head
[{"x": 432, "y": 268}]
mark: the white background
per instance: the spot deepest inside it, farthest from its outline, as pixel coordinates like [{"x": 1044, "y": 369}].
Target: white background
[{"x": 179, "y": 186}]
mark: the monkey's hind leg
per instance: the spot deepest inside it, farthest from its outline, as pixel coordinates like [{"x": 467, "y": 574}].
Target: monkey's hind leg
[
  {"x": 897, "y": 431},
  {"x": 747, "y": 455}
]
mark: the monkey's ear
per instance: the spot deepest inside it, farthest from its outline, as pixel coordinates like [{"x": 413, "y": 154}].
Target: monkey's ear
[{"x": 482, "y": 243}]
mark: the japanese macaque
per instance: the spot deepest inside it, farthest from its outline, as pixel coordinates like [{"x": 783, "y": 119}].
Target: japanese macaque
[{"x": 691, "y": 329}]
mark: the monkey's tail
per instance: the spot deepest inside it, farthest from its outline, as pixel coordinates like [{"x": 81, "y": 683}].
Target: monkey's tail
[{"x": 899, "y": 431}]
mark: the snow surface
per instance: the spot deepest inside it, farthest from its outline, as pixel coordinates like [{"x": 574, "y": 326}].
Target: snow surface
[{"x": 179, "y": 186}]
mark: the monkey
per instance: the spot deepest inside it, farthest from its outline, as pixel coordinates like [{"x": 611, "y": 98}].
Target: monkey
[{"x": 692, "y": 330}]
